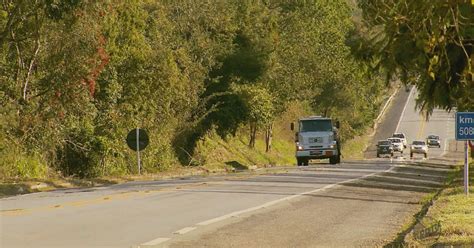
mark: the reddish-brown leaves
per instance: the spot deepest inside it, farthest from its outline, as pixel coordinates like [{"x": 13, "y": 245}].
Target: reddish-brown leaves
[{"x": 104, "y": 60}]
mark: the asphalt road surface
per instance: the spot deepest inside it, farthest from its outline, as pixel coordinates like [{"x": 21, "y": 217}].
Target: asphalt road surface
[
  {"x": 416, "y": 127},
  {"x": 402, "y": 116},
  {"x": 354, "y": 204},
  {"x": 389, "y": 122}
]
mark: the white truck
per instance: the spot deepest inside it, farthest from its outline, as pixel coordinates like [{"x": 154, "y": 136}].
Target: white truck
[{"x": 317, "y": 138}]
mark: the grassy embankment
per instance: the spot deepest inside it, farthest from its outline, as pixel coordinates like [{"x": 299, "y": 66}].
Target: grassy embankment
[
  {"x": 213, "y": 155},
  {"x": 450, "y": 220},
  {"x": 355, "y": 148}
]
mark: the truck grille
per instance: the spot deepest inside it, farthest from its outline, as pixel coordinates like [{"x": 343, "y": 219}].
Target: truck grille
[{"x": 315, "y": 140}]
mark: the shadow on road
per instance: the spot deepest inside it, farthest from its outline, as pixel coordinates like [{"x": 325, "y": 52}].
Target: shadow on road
[
  {"x": 413, "y": 179},
  {"x": 409, "y": 178}
]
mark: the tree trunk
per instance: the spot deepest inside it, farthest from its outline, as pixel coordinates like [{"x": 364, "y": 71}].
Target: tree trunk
[
  {"x": 30, "y": 69},
  {"x": 19, "y": 59},
  {"x": 268, "y": 137},
  {"x": 253, "y": 134},
  {"x": 326, "y": 111}
]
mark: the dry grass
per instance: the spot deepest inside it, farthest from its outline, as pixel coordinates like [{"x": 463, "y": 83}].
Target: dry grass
[{"x": 354, "y": 148}]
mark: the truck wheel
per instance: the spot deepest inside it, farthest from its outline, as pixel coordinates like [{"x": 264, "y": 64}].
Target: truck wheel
[
  {"x": 338, "y": 159},
  {"x": 378, "y": 155},
  {"x": 411, "y": 155},
  {"x": 299, "y": 161},
  {"x": 333, "y": 160},
  {"x": 306, "y": 162},
  {"x": 391, "y": 154},
  {"x": 426, "y": 155}
]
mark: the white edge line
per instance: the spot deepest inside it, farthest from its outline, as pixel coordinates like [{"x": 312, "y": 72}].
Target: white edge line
[
  {"x": 382, "y": 112},
  {"x": 265, "y": 205},
  {"x": 207, "y": 222},
  {"x": 404, "y": 108},
  {"x": 445, "y": 147},
  {"x": 185, "y": 230},
  {"x": 446, "y": 143},
  {"x": 154, "y": 242},
  {"x": 271, "y": 203},
  {"x": 384, "y": 108}
]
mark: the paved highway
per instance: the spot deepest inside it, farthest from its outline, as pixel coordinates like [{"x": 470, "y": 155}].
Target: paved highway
[
  {"x": 356, "y": 203},
  {"x": 416, "y": 127},
  {"x": 403, "y": 117},
  {"x": 135, "y": 213}
]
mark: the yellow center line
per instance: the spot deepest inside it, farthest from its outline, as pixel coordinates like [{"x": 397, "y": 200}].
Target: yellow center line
[
  {"x": 98, "y": 200},
  {"x": 13, "y": 212},
  {"x": 422, "y": 129}
]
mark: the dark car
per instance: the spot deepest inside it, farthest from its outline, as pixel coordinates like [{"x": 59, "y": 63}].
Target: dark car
[
  {"x": 433, "y": 140},
  {"x": 384, "y": 147}
]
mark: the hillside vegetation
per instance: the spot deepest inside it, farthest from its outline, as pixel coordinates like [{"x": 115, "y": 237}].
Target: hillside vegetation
[{"x": 213, "y": 82}]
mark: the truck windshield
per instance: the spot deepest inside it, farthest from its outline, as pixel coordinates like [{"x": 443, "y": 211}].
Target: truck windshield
[
  {"x": 384, "y": 143},
  {"x": 316, "y": 126}
]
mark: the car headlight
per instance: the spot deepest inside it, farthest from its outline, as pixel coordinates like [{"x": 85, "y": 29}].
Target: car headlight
[{"x": 300, "y": 148}]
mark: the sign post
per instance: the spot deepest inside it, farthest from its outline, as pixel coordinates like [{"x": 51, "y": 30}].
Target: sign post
[
  {"x": 471, "y": 145},
  {"x": 465, "y": 131},
  {"x": 138, "y": 150},
  {"x": 137, "y": 140},
  {"x": 466, "y": 168}
]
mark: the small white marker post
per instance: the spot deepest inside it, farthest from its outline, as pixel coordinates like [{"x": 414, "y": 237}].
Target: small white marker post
[{"x": 138, "y": 150}]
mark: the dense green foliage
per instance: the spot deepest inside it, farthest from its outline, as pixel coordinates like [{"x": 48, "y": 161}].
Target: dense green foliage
[
  {"x": 77, "y": 75},
  {"x": 426, "y": 43}
]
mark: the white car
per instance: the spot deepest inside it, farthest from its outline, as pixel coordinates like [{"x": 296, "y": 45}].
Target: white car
[
  {"x": 419, "y": 146},
  {"x": 397, "y": 144},
  {"x": 401, "y": 136}
]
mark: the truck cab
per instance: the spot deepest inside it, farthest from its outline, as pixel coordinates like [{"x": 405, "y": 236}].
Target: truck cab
[{"x": 317, "y": 138}]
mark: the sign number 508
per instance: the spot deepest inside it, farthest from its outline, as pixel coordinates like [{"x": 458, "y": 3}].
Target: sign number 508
[{"x": 466, "y": 131}]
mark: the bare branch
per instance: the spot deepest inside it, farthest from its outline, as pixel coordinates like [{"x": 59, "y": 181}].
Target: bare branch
[
  {"x": 30, "y": 69},
  {"x": 460, "y": 39},
  {"x": 19, "y": 59},
  {"x": 33, "y": 59}
]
